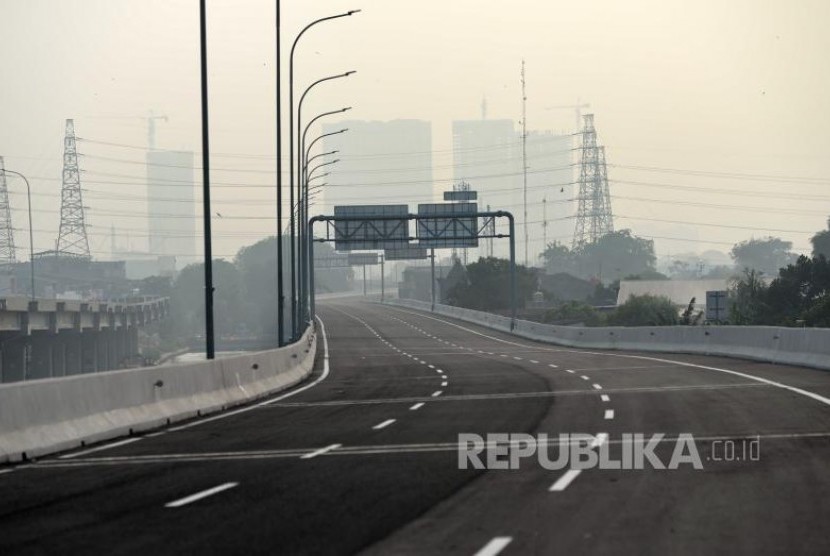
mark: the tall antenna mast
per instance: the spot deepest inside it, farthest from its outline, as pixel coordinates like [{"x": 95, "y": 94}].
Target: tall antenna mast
[
  {"x": 7, "y": 251},
  {"x": 544, "y": 223},
  {"x": 524, "y": 159},
  {"x": 72, "y": 238}
]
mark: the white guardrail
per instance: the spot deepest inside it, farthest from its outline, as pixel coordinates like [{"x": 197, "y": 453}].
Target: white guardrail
[
  {"x": 808, "y": 347},
  {"x": 38, "y": 417}
]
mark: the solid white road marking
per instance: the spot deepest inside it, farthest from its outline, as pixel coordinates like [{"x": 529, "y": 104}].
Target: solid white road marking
[
  {"x": 437, "y": 393},
  {"x": 321, "y": 451},
  {"x": 384, "y": 424},
  {"x": 609, "y": 413},
  {"x": 418, "y": 405},
  {"x": 566, "y": 479},
  {"x": 597, "y": 386},
  {"x": 807, "y": 393},
  {"x": 321, "y": 378},
  {"x": 605, "y": 398},
  {"x": 99, "y": 448},
  {"x": 199, "y": 495},
  {"x": 495, "y": 546},
  {"x": 3, "y": 471}
]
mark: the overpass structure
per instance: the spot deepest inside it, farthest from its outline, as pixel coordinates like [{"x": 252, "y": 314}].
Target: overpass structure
[{"x": 46, "y": 338}]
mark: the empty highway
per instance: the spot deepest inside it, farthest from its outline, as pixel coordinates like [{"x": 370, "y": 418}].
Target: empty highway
[{"x": 362, "y": 457}]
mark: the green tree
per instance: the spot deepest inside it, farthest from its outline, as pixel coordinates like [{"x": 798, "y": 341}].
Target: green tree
[
  {"x": 615, "y": 255},
  {"x": 766, "y": 255},
  {"x": 748, "y": 295},
  {"x": 558, "y": 258},
  {"x": 645, "y": 310},
  {"x": 572, "y": 312},
  {"x": 821, "y": 242},
  {"x": 487, "y": 285},
  {"x": 188, "y": 299}
]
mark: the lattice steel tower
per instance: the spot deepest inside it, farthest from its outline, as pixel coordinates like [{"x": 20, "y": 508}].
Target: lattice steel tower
[
  {"x": 7, "y": 252},
  {"x": 594, "y": 217},
  {"x": 72, "y": 238}
]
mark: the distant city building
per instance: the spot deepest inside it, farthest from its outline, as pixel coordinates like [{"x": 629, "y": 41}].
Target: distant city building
[
  {"x": 380, "y": 163},
  {"x": 487, "y": 154},
  {"x": 171, "y": 207}
]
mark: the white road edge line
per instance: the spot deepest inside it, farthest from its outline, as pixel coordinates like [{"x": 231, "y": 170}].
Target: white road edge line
[
  {"x": 566, "y": 479},
  {"x": 807, "y": 393},
  {"x": 199, "y": 495},
  {"x": 495, "y": 546},
  {"x": 321, "y": 451},
  {"x": 418, "y": 405},
  {"x": 384, "y": 424},
  {"x": 321, "y": 378},
  {"x": 99, "y": 448}
]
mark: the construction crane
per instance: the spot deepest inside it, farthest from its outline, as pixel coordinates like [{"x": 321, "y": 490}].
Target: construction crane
[{"x": 577, "y": 107}]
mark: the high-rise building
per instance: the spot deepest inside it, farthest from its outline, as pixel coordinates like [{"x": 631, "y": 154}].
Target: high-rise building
[
  {"x": 171, "y": 208},
  {"x": 487, "y": 154},
  {"x": 381, "y": 162}
]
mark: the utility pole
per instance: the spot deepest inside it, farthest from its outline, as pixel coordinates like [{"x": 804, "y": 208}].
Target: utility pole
[{"x": 524, "y": 159}]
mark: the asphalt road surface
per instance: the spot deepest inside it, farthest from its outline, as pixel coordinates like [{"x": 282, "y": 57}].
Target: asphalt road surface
[{"x": 364, "y": 457}]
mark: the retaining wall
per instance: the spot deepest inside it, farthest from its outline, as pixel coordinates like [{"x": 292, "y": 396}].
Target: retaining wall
[
  {"x": 43, "y": 416},
  {"x": 809, "y": 347}
]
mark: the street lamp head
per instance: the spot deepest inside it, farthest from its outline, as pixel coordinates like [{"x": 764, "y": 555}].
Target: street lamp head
[
  {"x": 352, "y": 12},
  {"x": 348, "y": 73},
  {"x": 345, "y": 109},
  {"x": 345, "y": 129}
]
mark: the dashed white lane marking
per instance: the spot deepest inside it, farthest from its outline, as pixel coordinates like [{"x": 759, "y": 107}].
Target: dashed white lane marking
[
  {"x": 490, "y": 353},
  {"x": 566, "y": 479},
  {"x": 600, "y": 439},
  {"x": 552, "y": 366},
  {"x": 199, "y": 495},
  {"x": 609, "y": 413},
  {"x": 517, "y": 358},
  {"x": 605, "y": 398},
  {"x": 583, "y": 377},
  {"x": 99, "y": 448},
  {"x": 534, "y": 361},
  {"x": 321, "y": 451},
  {"x": 495, "y": 546},
  {"x": 384, "y": 424},
  {"x": 444, "y": 383},
  {"x": 437, "y": 393},
  {"x": 418, "y": 405},
  {"x": 502, "y": 355},
  {"x": 431, "y": 366},
  {"x": 807, "y": 393},
  {"x": 569, "y": 371},
  {"x": 597, "y": 387}
]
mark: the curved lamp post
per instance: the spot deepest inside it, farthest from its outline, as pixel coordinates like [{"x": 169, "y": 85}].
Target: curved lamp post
[
  {"x": 291, "y": 144},
  {"x": 31, "y": 234}
]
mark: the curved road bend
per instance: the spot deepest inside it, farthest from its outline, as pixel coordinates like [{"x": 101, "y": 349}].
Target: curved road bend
[{"x": 365, "y": 458}]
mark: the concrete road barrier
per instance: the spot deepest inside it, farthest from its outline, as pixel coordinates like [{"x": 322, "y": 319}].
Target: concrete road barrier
[
  {"x": 808, "y": 347},
  {"x": 43, "y": 416}
]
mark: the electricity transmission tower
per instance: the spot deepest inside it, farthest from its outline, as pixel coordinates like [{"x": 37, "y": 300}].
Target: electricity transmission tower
[
  {"x": 593, "y": 218},
  {"x": 72, "y": 238},
  {"x": 7, "y": 252}
]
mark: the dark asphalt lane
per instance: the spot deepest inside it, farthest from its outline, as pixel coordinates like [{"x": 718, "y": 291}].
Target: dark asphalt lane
[{"x": 402, "y": 386}]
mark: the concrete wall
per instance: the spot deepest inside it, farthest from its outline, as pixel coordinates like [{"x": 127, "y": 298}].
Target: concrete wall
[
  {"x": 809, "y": 347},
  {"x": 43, "y": 416}
]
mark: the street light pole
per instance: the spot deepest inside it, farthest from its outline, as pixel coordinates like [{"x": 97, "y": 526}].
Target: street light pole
[
  {"x": 31, "y": 234},
  {"x": 291, "y": 151},
  {"x": 280, "y": 281},
  {"x": 209, "y": 339},
  {"x": 304, "y": 211}
]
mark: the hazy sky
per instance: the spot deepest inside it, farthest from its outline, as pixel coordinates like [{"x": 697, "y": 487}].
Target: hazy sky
[{"x": 737, "y": 87}]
